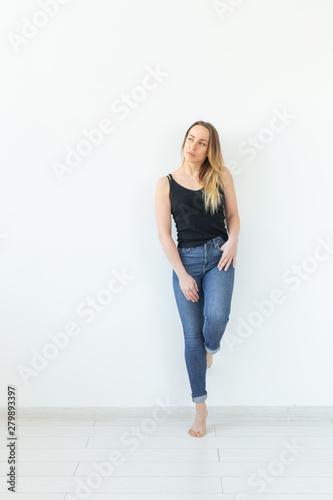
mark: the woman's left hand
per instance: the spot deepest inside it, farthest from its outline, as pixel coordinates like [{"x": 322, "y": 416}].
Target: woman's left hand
[{"x": 229, "y": 249}]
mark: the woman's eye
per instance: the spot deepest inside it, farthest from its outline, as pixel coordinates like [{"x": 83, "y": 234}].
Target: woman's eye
[{"x": 191, "y": 139}]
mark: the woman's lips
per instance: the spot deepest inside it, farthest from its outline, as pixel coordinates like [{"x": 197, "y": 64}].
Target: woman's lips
[{"x": 190, "y": 153}]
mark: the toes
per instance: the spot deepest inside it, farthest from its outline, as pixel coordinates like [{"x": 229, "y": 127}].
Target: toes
[{"x": 195, "y": 433}]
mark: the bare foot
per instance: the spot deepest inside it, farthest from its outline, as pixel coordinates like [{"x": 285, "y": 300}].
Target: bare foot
[
  {"x": 209, "y": 358},
  {"x": 198, "y": 428}
]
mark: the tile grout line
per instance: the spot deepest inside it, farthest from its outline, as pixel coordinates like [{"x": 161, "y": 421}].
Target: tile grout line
[
  {"x": 76, "y": 468},
  {"x": 218, "y": 454}
]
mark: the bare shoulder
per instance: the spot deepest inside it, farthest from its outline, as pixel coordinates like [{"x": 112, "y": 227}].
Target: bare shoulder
[
  {"x": 163, "y": 187},
  {"x": 162, "y": 183},
  {"x": 227, "y": 174},
  {"x": 227, "y": 177},
  {"x": 178, "y": 174}
]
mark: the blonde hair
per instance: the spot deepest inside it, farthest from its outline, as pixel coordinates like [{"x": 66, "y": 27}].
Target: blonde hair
[{"x": 211, "y": 173}]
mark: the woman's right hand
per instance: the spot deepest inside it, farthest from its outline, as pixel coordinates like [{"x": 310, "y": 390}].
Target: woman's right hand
[{"x": 189, "y": 287}]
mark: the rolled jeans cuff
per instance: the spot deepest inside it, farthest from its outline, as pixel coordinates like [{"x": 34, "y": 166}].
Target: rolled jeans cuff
[
  {"x": 199, "y": 399},
  {"x": 212, "y": 351}
]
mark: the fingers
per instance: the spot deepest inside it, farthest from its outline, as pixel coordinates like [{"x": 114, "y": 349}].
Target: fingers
[
  {"x": 191, "y": 295},
  {"x": 194, "y": 297},
  {"x": 225, "y": 262}
]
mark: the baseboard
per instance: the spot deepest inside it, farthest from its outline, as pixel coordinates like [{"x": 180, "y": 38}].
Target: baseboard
[{"x": 293, "y": 412}]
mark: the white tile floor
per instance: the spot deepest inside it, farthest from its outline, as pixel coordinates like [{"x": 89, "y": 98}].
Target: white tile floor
[{"x": 139, "y": 458}]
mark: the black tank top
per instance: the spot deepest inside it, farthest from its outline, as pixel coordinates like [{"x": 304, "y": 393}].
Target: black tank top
[{"x": 194, "y": 225}]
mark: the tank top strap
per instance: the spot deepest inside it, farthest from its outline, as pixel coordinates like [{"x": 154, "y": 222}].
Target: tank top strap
[{"x": 169, "y": 176}]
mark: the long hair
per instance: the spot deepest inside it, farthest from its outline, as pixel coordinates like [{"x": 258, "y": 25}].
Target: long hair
[{"x": 211, "y": 173}]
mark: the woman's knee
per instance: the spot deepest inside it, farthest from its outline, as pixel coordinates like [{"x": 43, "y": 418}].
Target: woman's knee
[
  {"x": 217, "y": 317},
  {"x": 193, "y": 340}
]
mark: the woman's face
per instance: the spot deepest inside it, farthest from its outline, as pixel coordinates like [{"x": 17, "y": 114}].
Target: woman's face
[{"x": 196, "y": 144}]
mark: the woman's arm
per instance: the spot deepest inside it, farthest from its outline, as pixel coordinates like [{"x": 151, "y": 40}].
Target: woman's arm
[
  {"x": 229, "y": 248},
  {"x": 187, "y": 284},
  {"x": 230, "y": 205},
  {"x": 163, "y": 221}
]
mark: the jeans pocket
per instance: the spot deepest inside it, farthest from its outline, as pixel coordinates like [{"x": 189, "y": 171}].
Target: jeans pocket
[{"x": 220, "y": 241}]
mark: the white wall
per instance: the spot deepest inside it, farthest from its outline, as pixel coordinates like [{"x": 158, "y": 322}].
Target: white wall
[{"x": 63, "y": 237}]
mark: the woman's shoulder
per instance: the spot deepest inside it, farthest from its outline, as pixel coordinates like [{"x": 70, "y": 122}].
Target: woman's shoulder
[
  {"x": 165, "y": 178},
  {"x": 227, "y": 173},
  {"x": 176, "y": 172}
]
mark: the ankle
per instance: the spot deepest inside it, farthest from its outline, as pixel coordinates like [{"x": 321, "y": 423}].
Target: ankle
[{"x": 201, "y": 407}]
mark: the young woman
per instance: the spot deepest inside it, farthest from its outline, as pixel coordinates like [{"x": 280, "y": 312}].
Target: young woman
[{"x": 200, "y": 195}]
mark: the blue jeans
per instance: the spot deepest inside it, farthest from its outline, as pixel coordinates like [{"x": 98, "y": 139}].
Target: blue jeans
[{"x": 204, "y": 321}]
